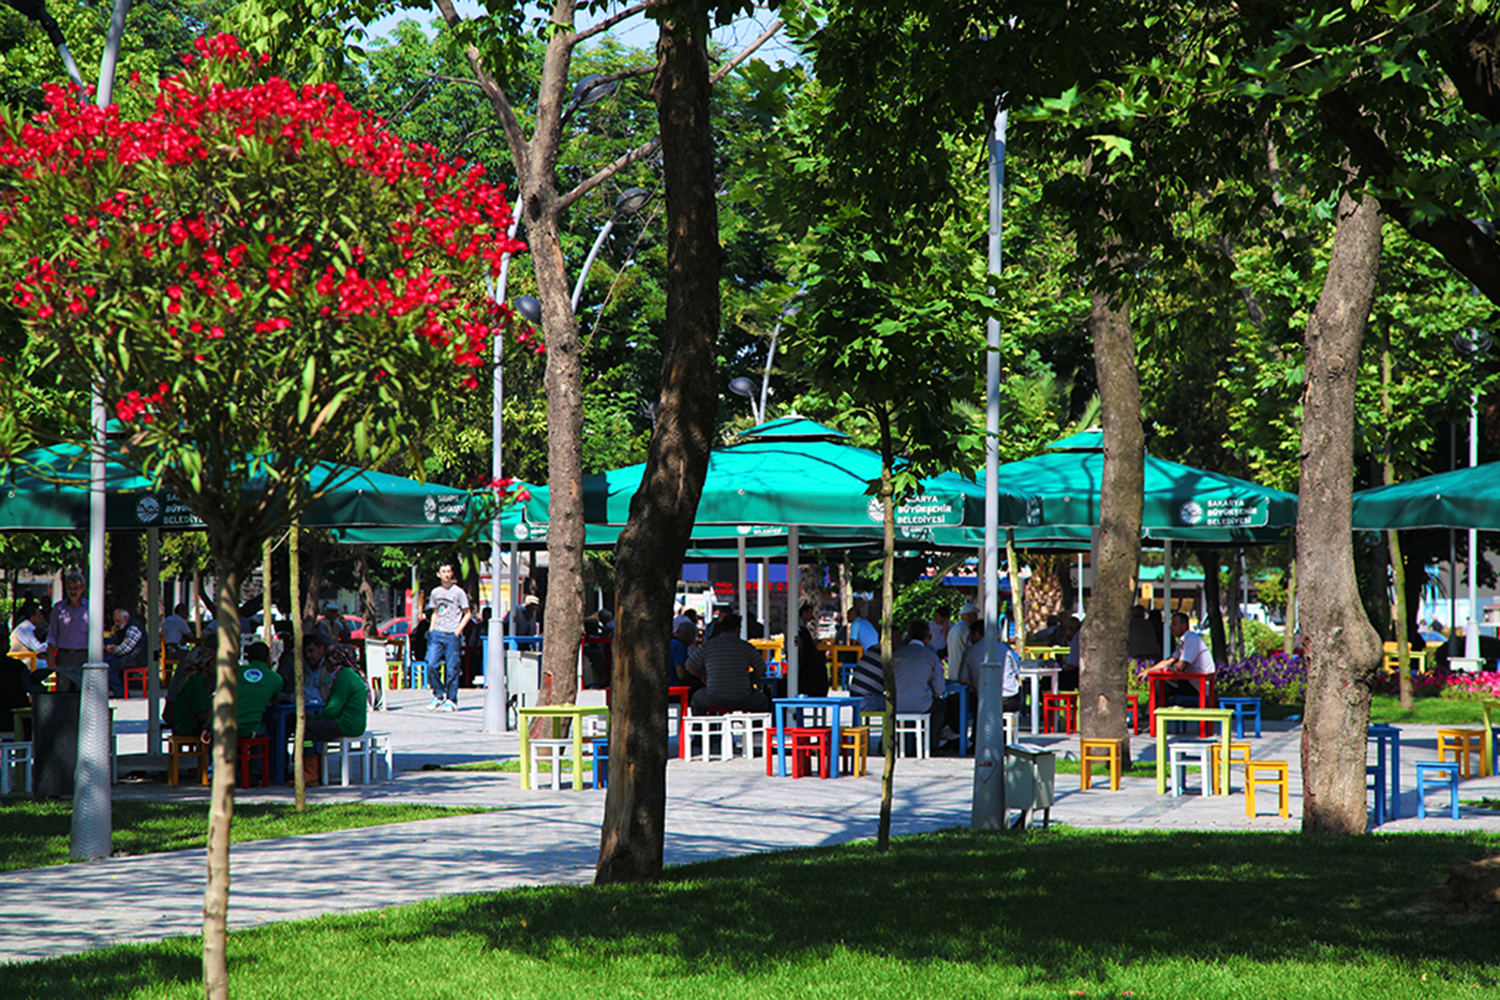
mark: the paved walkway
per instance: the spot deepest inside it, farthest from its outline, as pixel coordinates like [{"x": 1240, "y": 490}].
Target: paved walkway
[{"x": 546, "y": 837}]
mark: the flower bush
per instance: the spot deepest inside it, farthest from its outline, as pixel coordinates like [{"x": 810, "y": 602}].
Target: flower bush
[
  {"x": 1273, "y": 677},
  {"x": 1471, "y": 687},
  {"x": 252, "y": 268}
]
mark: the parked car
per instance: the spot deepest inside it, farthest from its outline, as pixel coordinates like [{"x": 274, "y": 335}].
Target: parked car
[{"x": 393, "y": 627}]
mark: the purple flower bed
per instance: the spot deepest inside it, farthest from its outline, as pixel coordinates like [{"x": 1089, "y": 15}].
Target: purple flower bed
[{"x": 1272, "y": 677}]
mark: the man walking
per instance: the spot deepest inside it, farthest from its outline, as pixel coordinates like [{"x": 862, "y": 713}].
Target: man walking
[{"x": 450, "y": 616}]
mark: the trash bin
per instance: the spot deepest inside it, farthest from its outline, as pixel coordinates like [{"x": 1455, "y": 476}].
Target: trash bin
[
  {"x": 54, "y": 748},
  {"x": 1030, "y": 776}
]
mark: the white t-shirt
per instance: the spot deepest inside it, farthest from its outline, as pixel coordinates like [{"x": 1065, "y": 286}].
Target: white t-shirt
[
  {"x": 174, "y": 629},
  {"x": 1192, "y": 653},
  {"x": 451, "y": 603},
  {"x": 24, "y": 638}
]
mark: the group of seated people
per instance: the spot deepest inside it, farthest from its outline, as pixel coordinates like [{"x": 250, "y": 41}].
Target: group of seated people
[{"x": 333, "y": 684}]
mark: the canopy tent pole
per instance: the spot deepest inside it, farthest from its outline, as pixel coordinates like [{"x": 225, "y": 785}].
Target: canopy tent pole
[
  {"x": 1166, "y": 599},
  {"x": 763, "y": 590},
  {"x": 744, "y": 591},
  {"x": 793, "y": 601},
  {"x": 1093, "y": 555}
]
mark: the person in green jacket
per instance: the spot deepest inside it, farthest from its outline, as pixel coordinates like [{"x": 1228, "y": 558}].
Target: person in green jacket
[
  {"x": 259, "y": 686},
  {"x": 344, "y": 713}
]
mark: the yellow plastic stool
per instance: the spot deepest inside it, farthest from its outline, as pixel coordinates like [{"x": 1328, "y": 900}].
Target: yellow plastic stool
[
  {"x": 1239, "y": 753},
  {"x": 855, "y": 741},
  {"x": 1106, "y": 752},
  {"x": 1280, "y": 777},
  {"x": 180, "y": 746},
  {"x": 1460, "y": 743}
]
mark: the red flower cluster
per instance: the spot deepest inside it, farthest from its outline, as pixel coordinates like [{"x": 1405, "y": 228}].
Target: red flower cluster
[
  {"x": 195, "y": 265},
  {"x": 134, "y": 404}
]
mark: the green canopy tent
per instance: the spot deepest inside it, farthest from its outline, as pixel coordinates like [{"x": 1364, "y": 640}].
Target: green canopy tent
[
  {"x": 47, "y": 489},
  {"x": 1181, "y": 504},
  {"x": 1463, "y": 498}
]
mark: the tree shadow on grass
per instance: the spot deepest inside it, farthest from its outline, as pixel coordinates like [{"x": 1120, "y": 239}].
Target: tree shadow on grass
[
  {"x": 177, "y": 962},
  {"x": 1065, "y": 905}
]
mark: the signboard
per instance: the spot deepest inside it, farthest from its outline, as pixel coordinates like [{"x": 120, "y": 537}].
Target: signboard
[
  {"x": 1225, "y": 513},
  {"x": 922, "y": 510}
]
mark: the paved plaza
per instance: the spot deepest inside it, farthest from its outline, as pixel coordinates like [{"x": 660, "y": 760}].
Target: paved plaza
[{"x": 545, "y": 837}]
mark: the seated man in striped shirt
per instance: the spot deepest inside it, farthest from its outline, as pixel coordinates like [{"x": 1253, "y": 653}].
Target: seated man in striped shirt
[{"x": 725, "y": 663}]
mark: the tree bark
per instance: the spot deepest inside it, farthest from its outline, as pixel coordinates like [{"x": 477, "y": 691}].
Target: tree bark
[
  {"x": 888, "y": 639},
  {"x": 651, "y": 548},
  {"x": 1213, "y": 599},
  {"x": 221, "y": 802},
  {"x": 1341, "y": 648},
  {"x": 1289, "y": 616},
  {"x": 1104, "y": 647}
]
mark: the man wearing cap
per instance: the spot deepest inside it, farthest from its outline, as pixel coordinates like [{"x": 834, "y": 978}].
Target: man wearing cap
[
  {"x": 522, "y": 620},
  {"x": 958, "y": 638},
  {"x": 332, "y": 625}
]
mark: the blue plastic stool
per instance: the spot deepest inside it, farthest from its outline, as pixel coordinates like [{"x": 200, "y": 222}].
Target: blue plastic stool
[
  {"x": 1242, "y": 708},
  {"x": 1449, "y": 771},
  {"x": 601, "y": 762},
  {"x": 1377, "y": 773},
  {"x": 416, "y": 674}
]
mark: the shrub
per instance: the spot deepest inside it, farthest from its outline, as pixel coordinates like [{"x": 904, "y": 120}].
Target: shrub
[{"x": 1275, "y": 677}]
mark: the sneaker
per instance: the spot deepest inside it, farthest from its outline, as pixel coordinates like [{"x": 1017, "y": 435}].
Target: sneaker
[
  {"x": 447, "y": 706},
  {"x": 436, "y": 704},
  {"x": 947, "y": 735}
]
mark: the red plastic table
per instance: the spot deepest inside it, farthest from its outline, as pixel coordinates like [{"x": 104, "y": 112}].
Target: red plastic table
[{"x": 1205, "y": 694}]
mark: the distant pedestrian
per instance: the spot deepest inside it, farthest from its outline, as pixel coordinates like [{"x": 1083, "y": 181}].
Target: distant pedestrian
[{"x": 444, "y": 648}]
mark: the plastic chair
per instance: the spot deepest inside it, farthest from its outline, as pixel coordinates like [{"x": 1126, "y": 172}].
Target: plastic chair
[
  {"x": 253, "y": 748},
  {"x": 1280, "y": 779},
  {"x": 1443, "y": 774},
  {"x": 135, "y": 674},
  {"x": 1101, "y": 751}
]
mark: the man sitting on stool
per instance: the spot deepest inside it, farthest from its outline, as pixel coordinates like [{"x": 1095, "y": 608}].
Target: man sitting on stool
[
  {"x": 725, "y": 663},
  {"x": 1190, "y": 657}
]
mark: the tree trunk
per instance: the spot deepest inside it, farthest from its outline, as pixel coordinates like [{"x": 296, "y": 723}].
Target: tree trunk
[
  {"x": 565, "y": 536},
  {"x": 1289, "y": 617},
  {"x": 1104, "y": 647},
  {"x": 651, "y": 548},
  {"x": 1213, "y": 597},
  {"x": 1341, "y": 648},
  {"x": 888, "y": 639},
  {"x": 1046, "y": 591},
  {"x": 221, "y": 803},
  {"x": 294, "y": 582},
  {"x": 1393, "y": 543}
]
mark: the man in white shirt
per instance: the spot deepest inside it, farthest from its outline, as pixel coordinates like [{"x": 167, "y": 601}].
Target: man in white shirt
[
  {"x": 1191, "y": 656},
  {"x": 23, "y": 637},
  {"x": 958, "y": 637},
  {"x": 175, "y": 627}
]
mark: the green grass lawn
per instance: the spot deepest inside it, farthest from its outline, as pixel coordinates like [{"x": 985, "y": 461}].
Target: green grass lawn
[
  {"x": 34, "y": 833},
  {"x": 1425, "y": 711},
  {"x": 959, "y": 915}
]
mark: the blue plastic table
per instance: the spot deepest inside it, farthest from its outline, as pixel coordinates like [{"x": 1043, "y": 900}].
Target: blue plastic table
[
  {"x": 835, "y": 705},
  {"x": 962, "y": 690}
]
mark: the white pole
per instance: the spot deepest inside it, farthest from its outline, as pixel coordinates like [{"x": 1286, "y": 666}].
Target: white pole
[
  {"x": 153, "y": 640},
  {"x": 496, "y": 697},
  {"x": 1471, "y": 630},
  {"x": 793, "y": 600},
  {"x": 763, "y": 590},
  {"x": 1166, "y": 601},
  {"x": 987, "y": 811},
  {"x": 744, "y": 592}
]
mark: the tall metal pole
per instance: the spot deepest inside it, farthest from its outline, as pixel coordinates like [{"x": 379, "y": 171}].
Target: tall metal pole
[
  {"x": 988, "y": 809},
  {"x": 1471, "y": 628},
  {"x": 92, "y": 817},
  {"x": 496, "y": 697},
  {"x": 793, "y": 602}
]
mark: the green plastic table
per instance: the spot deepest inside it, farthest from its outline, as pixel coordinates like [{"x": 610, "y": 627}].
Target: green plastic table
[
  {"x": 556, "y": 713},
  {"x": 1164, "y": 715}
]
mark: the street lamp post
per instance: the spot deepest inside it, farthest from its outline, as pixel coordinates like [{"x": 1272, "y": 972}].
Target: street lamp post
[
  {"x": 631, "y": 200},
  {"x": 1472, "y": 345}
]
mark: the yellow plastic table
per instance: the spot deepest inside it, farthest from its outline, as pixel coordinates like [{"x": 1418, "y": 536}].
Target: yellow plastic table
[
  {"x": 1164, "y": 715},
  {"x": 1487, "y": 766},
  {"x": 556, "y": 713},
  {"x": 1045, "y": 652}
]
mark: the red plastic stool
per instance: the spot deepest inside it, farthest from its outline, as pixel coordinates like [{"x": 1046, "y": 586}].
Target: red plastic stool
[
  {"x": 1066, "y": 704},
  {"x": 801, "y": 743},
  {"x": 254, "y": 748},
  {"x": 135, "y": 674}
]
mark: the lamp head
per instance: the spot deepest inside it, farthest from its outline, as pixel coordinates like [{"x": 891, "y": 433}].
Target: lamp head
[
  {"x": 530, "y": 308},
  {"x": 1472, "y": 344},
  {"x": 742, "y": 386},
  {"x": 631, "y": 200},
  {"x": 588, "y": 90}
]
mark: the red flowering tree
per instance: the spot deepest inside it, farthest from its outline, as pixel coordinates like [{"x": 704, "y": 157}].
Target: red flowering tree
[{"x": 258, "y": 278}]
